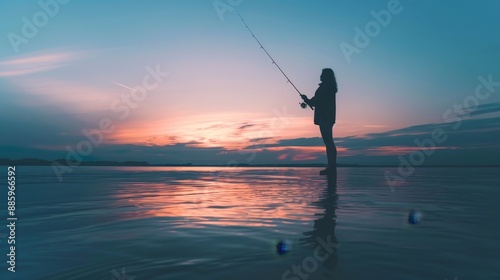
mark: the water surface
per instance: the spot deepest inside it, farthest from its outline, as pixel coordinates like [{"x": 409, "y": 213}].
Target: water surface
[{"x": 224, "y": 223}]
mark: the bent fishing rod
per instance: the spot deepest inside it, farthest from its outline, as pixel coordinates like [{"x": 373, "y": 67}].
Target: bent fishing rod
[{"x": 302, "y": 104}]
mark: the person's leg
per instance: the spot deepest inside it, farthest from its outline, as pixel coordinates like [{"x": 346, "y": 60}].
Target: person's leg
[{"x": 331, "y": 150}]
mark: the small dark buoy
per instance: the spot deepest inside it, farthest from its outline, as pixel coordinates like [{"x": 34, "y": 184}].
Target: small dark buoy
[
  {"x": 414, "y": 217},
  {"x": 283, "y": 247}
]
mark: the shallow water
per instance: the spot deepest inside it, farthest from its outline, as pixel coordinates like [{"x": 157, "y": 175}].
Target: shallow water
[{"x": 224, "y": 223}]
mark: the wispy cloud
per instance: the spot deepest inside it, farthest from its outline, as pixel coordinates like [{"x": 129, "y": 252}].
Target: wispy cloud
[
  {"x": 43, "y": 78},
  {"x": 246, "y": 126},
  {"x": 374, "y": 126},
  {"x": 486, "y": 109},
  {"x": 36, "y": 62}
]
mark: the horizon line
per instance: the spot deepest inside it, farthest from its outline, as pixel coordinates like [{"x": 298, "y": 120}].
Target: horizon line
[{"x": 43, "y": 162}]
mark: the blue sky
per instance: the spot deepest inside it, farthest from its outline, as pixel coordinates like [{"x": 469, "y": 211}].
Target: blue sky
[{"x": 65, "y": 78}]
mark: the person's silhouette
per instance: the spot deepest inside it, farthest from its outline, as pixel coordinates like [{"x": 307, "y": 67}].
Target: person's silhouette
[{"x": 324, "y": 115}]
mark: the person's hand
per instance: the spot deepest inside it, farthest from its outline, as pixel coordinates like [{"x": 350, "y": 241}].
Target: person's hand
[{"x": 304, "y": 97}]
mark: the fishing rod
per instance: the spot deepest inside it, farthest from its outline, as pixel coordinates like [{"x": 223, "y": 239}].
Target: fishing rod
[{"x": 302, "y": 104}]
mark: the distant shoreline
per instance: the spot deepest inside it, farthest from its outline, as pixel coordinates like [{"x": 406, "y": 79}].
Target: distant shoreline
[{"x": 41, "y": 162}]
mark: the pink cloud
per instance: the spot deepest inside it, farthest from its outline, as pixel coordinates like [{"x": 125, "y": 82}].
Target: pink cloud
[
  {"x": 304, "y": 157},
  {"x": 282, "y": 156}
]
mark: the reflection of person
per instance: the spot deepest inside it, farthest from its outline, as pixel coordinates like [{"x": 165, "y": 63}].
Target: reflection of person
[
  {"x": 323, "y": 234},
  {"x": 324, "y": 114}
]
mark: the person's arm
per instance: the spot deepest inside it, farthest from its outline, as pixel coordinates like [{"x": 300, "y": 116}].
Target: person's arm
[{"x": 311, "y": 102}]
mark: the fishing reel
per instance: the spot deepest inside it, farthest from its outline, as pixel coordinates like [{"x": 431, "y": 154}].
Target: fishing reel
[{"x": 303, "y": 105}]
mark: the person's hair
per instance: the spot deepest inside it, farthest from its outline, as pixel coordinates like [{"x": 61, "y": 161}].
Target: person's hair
[{"x": 328, "y": 75}]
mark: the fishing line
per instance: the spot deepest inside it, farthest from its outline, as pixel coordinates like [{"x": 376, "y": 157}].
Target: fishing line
[{"x": 302, "y": 104}]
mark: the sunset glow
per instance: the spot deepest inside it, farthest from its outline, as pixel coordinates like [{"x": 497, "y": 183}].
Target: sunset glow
[{"x": 178, "y": 90}]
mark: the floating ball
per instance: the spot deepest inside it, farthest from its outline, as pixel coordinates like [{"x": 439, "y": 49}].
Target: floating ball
[
  {"x": 414, "y": 217},
  {"x": 283, "y": 247}
]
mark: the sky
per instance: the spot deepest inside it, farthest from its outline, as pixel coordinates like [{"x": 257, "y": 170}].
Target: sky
[{"x": 184, "y": 81}]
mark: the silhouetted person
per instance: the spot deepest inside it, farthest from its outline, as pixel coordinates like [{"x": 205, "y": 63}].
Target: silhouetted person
[{"x": 324, "y": 115}]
